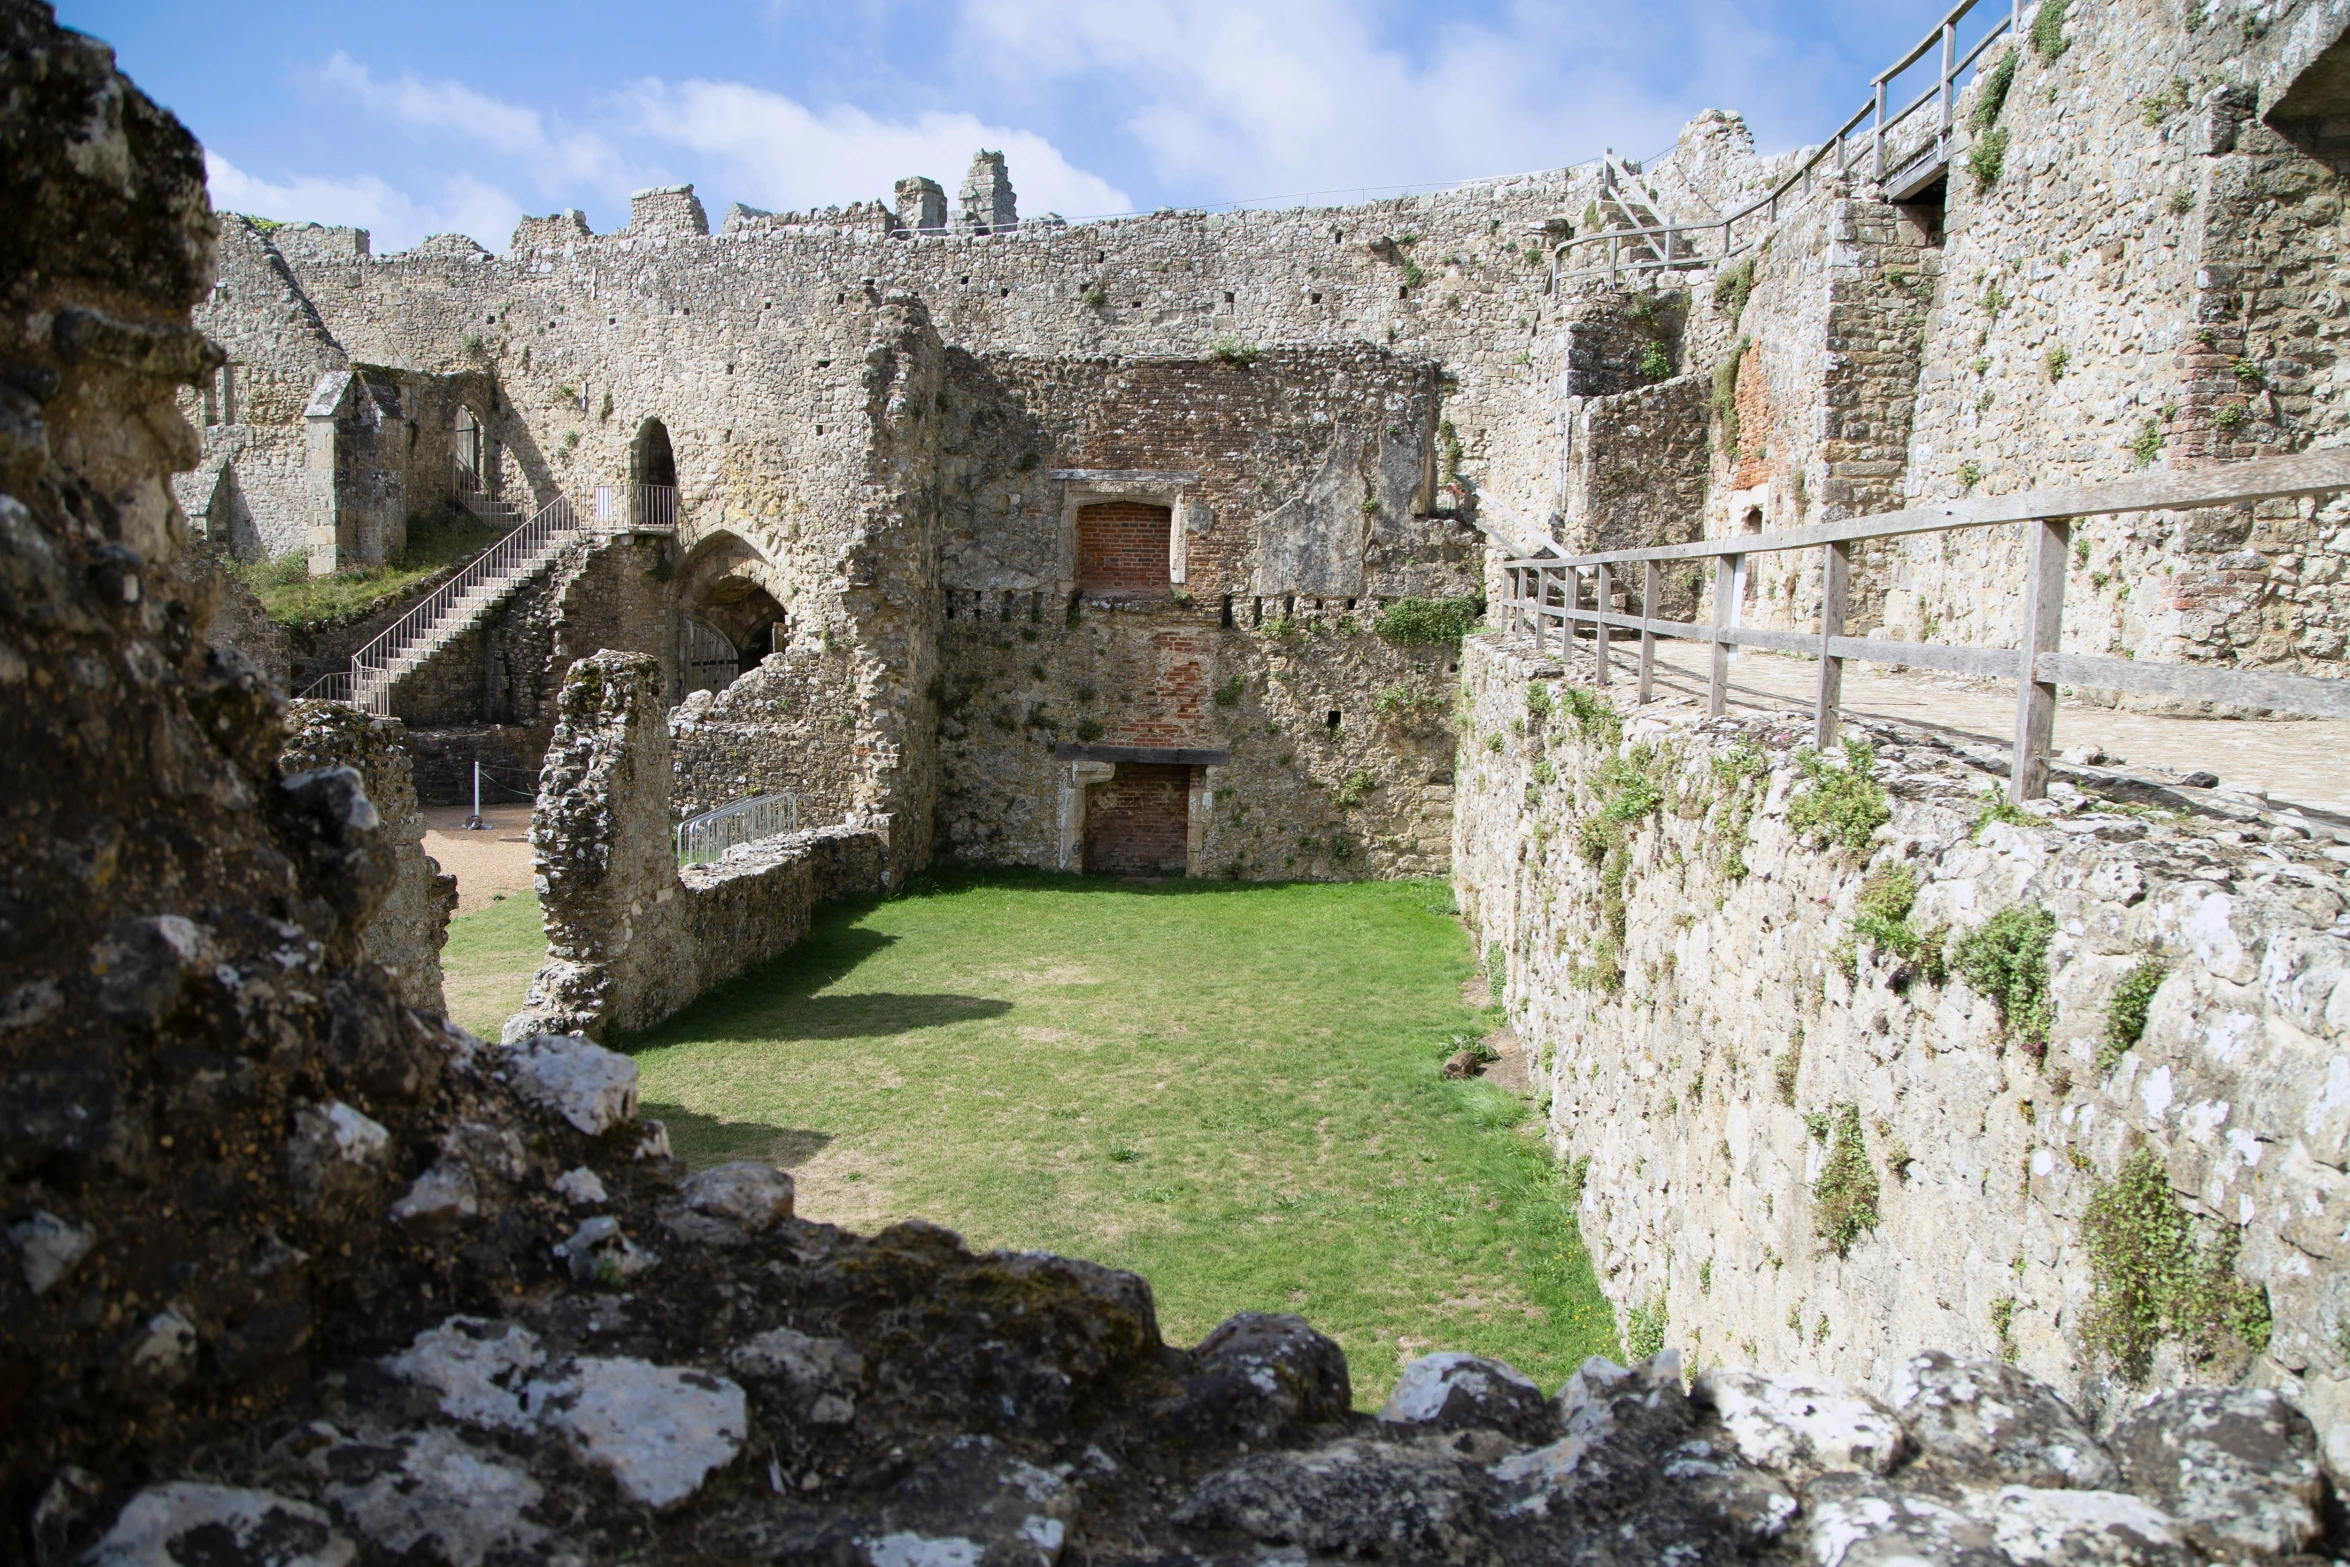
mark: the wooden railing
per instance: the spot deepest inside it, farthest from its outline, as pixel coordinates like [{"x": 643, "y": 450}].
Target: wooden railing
[
  {"x": 1680, "y": 247},
  {"x": 1545, "y": 594}
]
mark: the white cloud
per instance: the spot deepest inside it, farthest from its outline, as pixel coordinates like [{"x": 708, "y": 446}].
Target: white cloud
[
  {"x": 393, "y": 218},
  {"x": 786, "y": 156},
  {"x": 1244, "y": 99},
  {"x": 553, "y": 154},
  {"x": 768, "y": 149}
]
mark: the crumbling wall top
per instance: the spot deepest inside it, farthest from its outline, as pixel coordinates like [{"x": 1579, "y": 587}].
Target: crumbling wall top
[{"x": 667, "y": 209}]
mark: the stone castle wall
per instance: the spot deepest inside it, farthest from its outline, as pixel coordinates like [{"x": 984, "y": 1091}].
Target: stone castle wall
[
  {"x": 786, "y": 727},
  {"x": 408, "y": 929},
  {"x": 1704, "y": 1006},
  {"x": 631, "y": 939}
]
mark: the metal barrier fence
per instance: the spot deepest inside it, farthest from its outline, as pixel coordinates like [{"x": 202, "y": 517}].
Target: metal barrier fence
[
  {"x": 704, "y": 838},
  {"x": 1542, "y": 591},
  {"x": 1674, "y": 247},
  {"x": 656, "y": 508}
]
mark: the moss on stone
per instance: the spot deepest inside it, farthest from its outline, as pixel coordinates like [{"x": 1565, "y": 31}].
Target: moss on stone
[
  {"x": 1846, "y": 804},
  {"x": 2125, "y": 1019},
  {"x": 1735, "y": 776},
  {"x": 1594, "y": 719},
  {"x": 1725, "y": 393},
  {"x": 1998, "y": 807},
  {"x": 2048, "y": 40},
  {"x": 1844, "y": 1198},
  {"x": 2007, "y": 960},
  {"x": 1644, "y": 1330},
  {"x": 1991, "y": 93},
  {"x": 2152, "y": 1281},
  {"x": 1414, "y": 622}
]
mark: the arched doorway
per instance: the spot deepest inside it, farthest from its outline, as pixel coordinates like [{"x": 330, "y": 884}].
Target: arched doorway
[
  {"x": 709, "y": 657},
  {"x": 652, "y": 473},
  {"x": 728, "y": 618}
]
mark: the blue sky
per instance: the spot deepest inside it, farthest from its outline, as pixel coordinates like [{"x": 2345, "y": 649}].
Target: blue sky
[{"x": 423, "y": 116}]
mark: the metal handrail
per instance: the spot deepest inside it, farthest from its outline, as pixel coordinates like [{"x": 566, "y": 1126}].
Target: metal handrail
[
  {"x": 1662, "y": 237},
  {"x": 707, "y": 837},
  {"x": 1541, "y": 590},
  {"x": 373, "y": 666},
  {"x": 656, "y": 508}
]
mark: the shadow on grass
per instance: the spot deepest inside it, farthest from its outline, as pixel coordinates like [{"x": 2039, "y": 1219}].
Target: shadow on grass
[
  {"x": 783, "y": 991},
  {"x": 877, "y": 1014},
  {"x": 703, "y": 1140}
]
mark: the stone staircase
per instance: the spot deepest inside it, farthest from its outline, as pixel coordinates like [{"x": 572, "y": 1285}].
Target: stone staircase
[
  {"x": 1625, "y": 208},
  {"x": 461, "y": 604}
]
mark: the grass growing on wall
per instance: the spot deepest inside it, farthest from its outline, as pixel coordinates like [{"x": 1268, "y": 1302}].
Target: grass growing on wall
[
  {"x": 1428, "y": 622},
  {"x": 1845, "y": 1196},
  {"x": 2007, "y": 960},
  {"x": 292, "y": 597},
  {"x": 2125, "y": 1020},
  {"x": 1845, "y": 805},
  {"x": 2152, "y": 1280},
  {"x": 1233, "y": 1090}
]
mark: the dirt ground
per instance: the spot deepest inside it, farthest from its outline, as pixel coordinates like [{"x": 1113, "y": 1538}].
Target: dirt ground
[
  {"x": 486, "y": 864},
  {"x": 2297, "y": 762}
]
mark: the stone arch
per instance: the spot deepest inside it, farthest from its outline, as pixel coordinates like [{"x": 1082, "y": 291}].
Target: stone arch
[
  {"x": 727, "y": 586},
  {"x": 651, "y": 459}
]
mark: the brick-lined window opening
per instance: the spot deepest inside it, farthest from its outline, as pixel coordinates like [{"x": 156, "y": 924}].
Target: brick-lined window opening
[
  {"x": 1139, "y": 823},
  {"x": 1123, "y": 545}
]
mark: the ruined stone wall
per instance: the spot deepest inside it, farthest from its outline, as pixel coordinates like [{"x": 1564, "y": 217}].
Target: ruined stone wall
[
  {"x": 1816, "y": 371},
  {"x": 786, "y": 727},
  {"x": 1300, "y": 797},
  {"x": 1705, "y": 1002},
  {"x": 630, "y": 939},
  {"x": 1300, "y": 484},
  {"x": 2151, "y": 278},
  {"x": 408, "y": 929},
  {"x": 698, "y": 330},
  {"x": 252, "y": 487},
  {"x": 1637, "y": 465},
  {"x": 252, "y": 1194},
  {"x": 238, "y": 619}
]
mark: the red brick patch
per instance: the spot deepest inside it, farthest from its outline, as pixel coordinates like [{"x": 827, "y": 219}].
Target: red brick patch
[{"x": 1122, "y": 546}]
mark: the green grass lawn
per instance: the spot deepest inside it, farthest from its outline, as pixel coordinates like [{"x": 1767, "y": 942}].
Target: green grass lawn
[
  {"x": 489, "y": 960},
  {"x": 292, "y": 597},
  {"x": 1231, "y": 1089}
]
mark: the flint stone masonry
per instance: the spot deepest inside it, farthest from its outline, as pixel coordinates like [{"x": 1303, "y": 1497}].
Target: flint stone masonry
[
  {"x": 201, "y": 1071},
  {"x": 630, "y": 938},
  {"x": 1686, "y": 1047},
  {"x": 408, "y": 930}
]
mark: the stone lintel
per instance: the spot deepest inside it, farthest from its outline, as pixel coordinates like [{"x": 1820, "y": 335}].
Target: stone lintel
[
  {"x": 1174, "y": 755},
  {"x": 1122, "y": 476}
]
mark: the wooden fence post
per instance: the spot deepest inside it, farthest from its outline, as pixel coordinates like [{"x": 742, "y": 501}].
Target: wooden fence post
[
  {"x": 2046, "y": 543},
  {"x": 1718, "y": 683},
  {"x": 1651, "y": 585},
  {"x": 1835, "y": 580},
  {"x": 1604, "y": 588}
]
